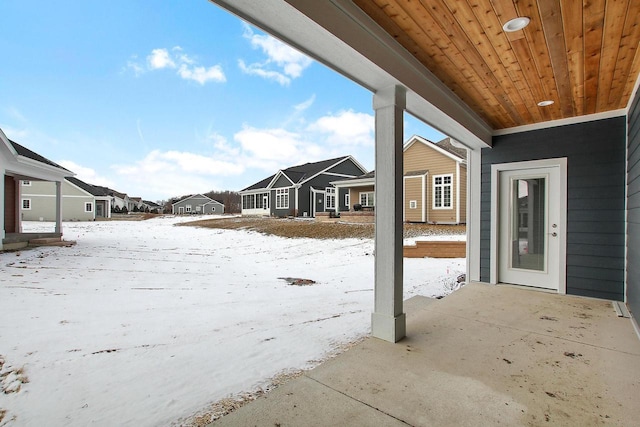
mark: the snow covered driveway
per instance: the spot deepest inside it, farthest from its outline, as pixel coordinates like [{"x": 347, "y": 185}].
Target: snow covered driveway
[{"x": 143, "y": 323}]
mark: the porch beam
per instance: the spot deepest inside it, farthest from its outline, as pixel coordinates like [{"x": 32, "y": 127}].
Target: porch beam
[{"x": 388, "y": 320}]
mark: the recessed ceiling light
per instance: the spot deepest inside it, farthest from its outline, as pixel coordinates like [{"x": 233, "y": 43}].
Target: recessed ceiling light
[
  {"x": 545, "y": 103},
  {"x": 516, "y": 24}
]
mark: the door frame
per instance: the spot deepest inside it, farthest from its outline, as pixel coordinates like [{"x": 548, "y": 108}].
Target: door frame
[{"x": 560, "y": 163}]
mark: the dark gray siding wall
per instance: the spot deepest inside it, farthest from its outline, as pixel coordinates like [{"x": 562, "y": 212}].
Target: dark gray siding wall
[
  {"x": 595, "y": 154},
  {"x": 633, "y": 210},
  {"x": 283, "y": 212},
  {"x": 342, "y": 206},
  {"x": 282, "y": 182},
  {"x": 304, "y": 204}
]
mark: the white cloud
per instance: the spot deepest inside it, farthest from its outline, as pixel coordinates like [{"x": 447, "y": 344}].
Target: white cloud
[
  {"x": 346, "y": 128},
  {"x": 160, "y": 58},
  {"x": 306, "y": 104},
  {"x": 258, "y": 70},
  {"x": 289, "y": 62},
  {"x": 186, "y": 67},
  {"x": 163, "y": 174},
  {"x": 202, "y": 74},
  {"x": 88, "y": 175},
  {"x": 273, "y": 149}
]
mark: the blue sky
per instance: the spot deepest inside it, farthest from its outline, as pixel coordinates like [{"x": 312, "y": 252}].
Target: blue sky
[{"x": 161, "y": 98}]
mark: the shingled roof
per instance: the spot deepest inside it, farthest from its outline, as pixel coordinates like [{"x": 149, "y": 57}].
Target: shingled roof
[
  {"x": 25, "y": 152},
  {"x": 91, "y": 189},
  {"x": 446, "y": 145},
  {"x": 299, "y": 173}
]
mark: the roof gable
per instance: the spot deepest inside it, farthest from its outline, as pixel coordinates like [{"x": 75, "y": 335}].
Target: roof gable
[
  {"x": 444, "y": 147},
  {"x": 300, "y": 174},
  {"x": 193, "y": 196}
]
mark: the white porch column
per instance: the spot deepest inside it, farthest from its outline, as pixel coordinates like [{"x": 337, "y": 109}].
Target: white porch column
[
  {"x": 474, "y": 188},
  {"x": 59, "y": 207},
  {"x": 388, "y": 322}
]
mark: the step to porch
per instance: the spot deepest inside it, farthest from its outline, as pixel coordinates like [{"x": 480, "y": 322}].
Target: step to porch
[{"x": 51, "y": 241}]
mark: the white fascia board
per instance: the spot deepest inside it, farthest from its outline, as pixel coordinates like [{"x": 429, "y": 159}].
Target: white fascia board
[
  {"x": 341, "y": 36},
  {"x": 35, "y": 169},
  {"x": 275, "y": 178},
  {"x": 354, "y": 182}
]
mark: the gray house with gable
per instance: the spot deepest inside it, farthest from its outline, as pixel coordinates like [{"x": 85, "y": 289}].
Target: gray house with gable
[
  {"x": 197, "y": 204},
  {"x": 301, "y": 190}
]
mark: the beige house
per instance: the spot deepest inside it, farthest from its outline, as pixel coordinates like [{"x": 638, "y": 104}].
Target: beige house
[{"x": 434, "y": 183}]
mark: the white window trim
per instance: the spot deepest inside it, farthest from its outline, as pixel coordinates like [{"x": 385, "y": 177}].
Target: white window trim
[
  {"x": 89, "y": 205},
  {"x": 347, "y": 200},
  {"x": 433, "y": 194},
  {"x": 22, "y": 204},
  {"x": 187, "y": 208},
  {"x": 283, "y": 193},
  {"x": 367, "y": 193},
  {"x": 413, "y": 204},
  {"x": 329, "y": 195}
]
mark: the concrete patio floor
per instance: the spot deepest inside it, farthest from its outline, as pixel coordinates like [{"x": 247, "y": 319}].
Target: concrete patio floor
[{"x": 485, "y": 355}]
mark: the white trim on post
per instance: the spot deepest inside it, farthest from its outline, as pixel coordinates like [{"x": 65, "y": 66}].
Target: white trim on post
[
  {"x": 457, "y": 178},
  {"x": 388, "y": 321},
  {"x": 474, "y": 187},
  {"x": 59, "y": 207}
]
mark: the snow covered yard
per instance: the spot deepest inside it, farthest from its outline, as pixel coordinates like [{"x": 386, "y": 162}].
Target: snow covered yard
[{"x": 145, "y": 324}]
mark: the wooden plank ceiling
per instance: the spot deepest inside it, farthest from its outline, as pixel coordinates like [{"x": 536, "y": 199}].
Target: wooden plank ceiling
[{"x": 583, "y": 55}]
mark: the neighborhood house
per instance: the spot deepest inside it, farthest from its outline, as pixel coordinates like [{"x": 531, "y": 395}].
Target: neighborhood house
[
  {"x": 80, "y": 201},
  {"x": 197, "y": 204},
  {"x": 19, "y": 164},
  {"x": 550, "y": 113},
  {"x": 434, "y": 183},
  {"x": 302, "y": 190}
]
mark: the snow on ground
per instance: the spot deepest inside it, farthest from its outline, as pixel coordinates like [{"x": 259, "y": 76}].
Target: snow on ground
[{"x": 144, "y": 324}]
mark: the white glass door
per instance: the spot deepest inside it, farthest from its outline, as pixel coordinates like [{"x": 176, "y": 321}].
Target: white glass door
[{"x": 529, "y": 231}]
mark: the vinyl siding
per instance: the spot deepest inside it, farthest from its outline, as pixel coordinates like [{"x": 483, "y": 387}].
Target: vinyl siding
[
  {"x": 43, "y": 202},
  {"x": 633, "y": 210},
  {"x": 283, "y": 212},
  {"x": 420, "y": 157},
  {"x": 413, "y": 191},
  {"x": 595, "y": 153},
  {"x": 354, "y": 194}
]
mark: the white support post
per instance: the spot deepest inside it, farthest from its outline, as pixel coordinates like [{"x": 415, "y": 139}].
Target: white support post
[
  {"x": 388, "y": 321},
  {"x": 474, "y": 187},
  {"x": 59, "y": 207}
]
